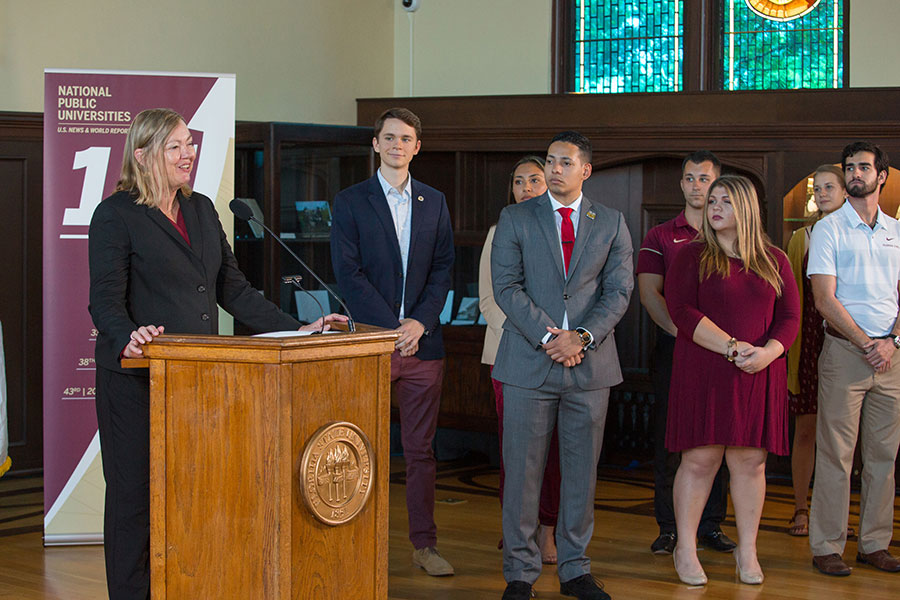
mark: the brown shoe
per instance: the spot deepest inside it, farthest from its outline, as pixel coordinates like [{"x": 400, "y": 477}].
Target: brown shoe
[
  {"x": 880, "y": 559},
  {"x": 831, "y": 564}
]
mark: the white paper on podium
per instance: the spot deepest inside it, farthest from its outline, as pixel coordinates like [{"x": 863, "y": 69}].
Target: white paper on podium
[{"x": 292, "y": 333}]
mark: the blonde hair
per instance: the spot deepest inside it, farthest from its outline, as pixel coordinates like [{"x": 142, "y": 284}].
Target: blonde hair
[
  {"x": 826, "y": 169},
  {"x": 753, "y": 246},
  {"x": 149, "y": 132}
]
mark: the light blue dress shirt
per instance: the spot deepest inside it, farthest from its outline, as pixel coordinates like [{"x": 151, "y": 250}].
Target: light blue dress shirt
[{"x": 400, "y": 205}]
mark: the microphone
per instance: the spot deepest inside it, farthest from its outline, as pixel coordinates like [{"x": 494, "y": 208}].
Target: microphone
[{"x": 242, "y": 211}]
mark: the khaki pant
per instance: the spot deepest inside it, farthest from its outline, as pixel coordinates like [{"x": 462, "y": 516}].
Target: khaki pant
[{"x": 854, "y": 401}]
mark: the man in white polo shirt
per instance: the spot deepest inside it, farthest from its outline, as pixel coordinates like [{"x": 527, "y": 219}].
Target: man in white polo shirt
[{"x": 854, "y": 268}]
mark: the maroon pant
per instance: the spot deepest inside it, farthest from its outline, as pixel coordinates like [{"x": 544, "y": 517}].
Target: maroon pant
[
  {"x": 549, "y": 506},
  {"x": 417, "y": 384}
]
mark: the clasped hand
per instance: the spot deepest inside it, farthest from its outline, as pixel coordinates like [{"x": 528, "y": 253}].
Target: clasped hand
[
  {"x": 879, "y": 354},
  {"x": 565, "y": 348},
  {"x": 410, "y": 331},
  {"x": 752, "y": 359}
]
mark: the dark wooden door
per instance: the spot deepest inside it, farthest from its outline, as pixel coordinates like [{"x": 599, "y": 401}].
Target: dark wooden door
[
  {"x": 21, "y": 161},
  {"x": 646, "y": 193}
]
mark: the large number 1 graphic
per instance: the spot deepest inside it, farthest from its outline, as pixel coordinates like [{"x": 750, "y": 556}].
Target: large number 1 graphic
[{"x": 95, "y": 162}]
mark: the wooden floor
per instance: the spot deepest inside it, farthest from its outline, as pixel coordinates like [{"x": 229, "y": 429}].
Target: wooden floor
[{"x": 468, "y": 517}]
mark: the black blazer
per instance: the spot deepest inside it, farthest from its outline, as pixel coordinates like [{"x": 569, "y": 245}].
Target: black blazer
[
  {"x": 144, "y": 273},
  {"x": 365, "y": 254}
]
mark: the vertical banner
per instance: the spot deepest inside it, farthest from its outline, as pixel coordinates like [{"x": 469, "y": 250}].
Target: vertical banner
[{"x": 86, "y": 118}]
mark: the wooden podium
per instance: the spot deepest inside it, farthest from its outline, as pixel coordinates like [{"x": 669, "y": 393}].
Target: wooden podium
[{"x": 235, "y": 474}]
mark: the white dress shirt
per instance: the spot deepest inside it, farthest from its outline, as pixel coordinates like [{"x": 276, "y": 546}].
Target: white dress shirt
[
  {"x": 576, "y": 207},
  {"x": 400, "y": 205}
]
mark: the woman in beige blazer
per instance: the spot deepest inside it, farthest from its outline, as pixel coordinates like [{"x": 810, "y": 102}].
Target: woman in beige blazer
[{"x": 526, "y": 182}]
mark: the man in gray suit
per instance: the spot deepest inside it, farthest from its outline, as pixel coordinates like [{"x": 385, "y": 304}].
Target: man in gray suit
[{"x": 562, "y": 266}]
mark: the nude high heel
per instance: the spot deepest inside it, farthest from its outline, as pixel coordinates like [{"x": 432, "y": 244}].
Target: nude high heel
[
  {"x": 690, "y": 578},
  {"x": 745, "y": 577}
]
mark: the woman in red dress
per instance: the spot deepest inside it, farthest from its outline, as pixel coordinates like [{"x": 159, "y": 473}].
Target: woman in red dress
[{"x": 732, "y": 297}]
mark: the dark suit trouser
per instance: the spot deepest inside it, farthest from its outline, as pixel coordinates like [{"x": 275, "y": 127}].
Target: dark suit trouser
[
  {"x": 123, "y": 416},
  {"x": 529, "y": 417},
  {"x": 417, "y": 384},
  {"x": 665, "y": 463}
]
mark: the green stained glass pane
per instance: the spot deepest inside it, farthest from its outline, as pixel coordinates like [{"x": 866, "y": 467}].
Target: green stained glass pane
[{"x": 629, "y": 45}]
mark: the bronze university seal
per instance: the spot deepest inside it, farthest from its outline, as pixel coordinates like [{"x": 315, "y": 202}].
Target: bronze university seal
[{"x": 336, "y": 472}]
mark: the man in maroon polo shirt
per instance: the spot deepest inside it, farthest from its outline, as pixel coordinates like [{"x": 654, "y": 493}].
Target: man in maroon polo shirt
[{"x": 662, "y": 243}]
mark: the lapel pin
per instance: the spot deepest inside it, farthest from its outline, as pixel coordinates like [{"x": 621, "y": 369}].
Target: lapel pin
[
  {"x": 591, "y": 214},
  {"x": 420, "y": 199}
]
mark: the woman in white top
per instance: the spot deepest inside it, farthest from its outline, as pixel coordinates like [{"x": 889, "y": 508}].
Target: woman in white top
[
  {"x": 526, "y": 182},
  {"x": 803, "y": 355}
]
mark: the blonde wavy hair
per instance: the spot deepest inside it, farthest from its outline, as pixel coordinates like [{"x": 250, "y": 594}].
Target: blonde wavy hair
[
  {"x": 754, "y": 247},
  {"x": 149, "y": 131}
]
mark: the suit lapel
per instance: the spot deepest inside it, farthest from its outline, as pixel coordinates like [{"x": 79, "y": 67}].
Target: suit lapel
[
  {"x": 192, "y": 224},
  {"x": 380, "y": 206},
  {"x": 547, "y": 222},
  {"x": 166, "y": 225},
  {"x": 585, "y": 226},
  {"x": 417, "y": 211}
]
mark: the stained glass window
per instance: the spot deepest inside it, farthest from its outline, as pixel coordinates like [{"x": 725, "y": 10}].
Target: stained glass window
[
  {"x": 628, "y": 45},
  {"x": 764, "y": 54}
]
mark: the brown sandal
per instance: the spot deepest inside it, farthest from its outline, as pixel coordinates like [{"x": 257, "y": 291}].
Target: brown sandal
[{"x": 799, "y": 529}]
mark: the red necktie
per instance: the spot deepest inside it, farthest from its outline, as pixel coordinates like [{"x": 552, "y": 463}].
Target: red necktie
[{"x": 567, "y": 235}]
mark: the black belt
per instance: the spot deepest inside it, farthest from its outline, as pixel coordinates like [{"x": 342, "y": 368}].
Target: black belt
[{"x": 834, "y": 333}]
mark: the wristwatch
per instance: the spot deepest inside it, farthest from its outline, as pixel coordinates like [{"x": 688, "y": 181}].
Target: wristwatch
[
  {"x": 896, "y": 340},
  {"x": 587, "y": 338}
]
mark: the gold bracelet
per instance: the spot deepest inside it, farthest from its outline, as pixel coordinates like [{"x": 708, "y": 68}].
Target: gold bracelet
[{"x": 731, "y": 352}]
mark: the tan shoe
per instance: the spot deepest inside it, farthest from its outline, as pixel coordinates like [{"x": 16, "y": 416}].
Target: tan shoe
[
  {"x": 695, "y": 578},
  {"x": 749, "y": 576},
  {"x": 432, "y": 562}
]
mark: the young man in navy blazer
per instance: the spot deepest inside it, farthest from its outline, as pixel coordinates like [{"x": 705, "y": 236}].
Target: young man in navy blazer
[{"x": 392, "y": 251}]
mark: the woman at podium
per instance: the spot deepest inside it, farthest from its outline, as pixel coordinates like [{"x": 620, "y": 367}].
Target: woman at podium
[{"x": 159, "y": 262}]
